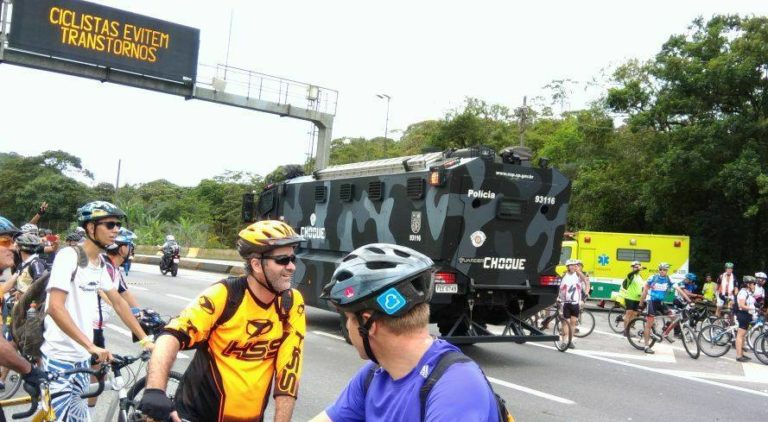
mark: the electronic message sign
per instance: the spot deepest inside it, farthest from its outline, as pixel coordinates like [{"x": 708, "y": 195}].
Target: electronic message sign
[{"x": 104, "y": 36}]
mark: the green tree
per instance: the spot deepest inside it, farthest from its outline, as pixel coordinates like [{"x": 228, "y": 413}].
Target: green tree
[{"x": 701, "y": 107}]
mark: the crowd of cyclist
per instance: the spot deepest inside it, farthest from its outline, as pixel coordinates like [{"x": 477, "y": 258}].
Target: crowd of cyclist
[
  {"x": 743, "y": 300},
  {"x": 248, "y": 332}
]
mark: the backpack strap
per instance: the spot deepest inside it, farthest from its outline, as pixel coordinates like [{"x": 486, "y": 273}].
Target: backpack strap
[
  {"x": 235, "y": 292},
  {"x": 445, "y": 361},
  {"x": 369, "y": 378}
]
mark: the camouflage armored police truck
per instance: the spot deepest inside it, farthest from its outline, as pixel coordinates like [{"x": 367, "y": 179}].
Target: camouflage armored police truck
[{"x": 492, "y": 223}]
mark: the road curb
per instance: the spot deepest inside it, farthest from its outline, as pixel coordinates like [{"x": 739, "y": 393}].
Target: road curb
[{"x": 194, "y": 265}]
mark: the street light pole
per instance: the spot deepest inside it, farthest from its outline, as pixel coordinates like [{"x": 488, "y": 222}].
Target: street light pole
[{"x": 386, "y": 122}]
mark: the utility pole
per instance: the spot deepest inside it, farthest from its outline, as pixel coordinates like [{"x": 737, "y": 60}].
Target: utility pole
[
  {"x": 117, "y": 182},
  {"x": 386, "y": 122},
  {"x": 522, "y": 113}
]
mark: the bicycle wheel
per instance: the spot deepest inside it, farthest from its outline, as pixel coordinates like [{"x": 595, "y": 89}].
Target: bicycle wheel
[
  {"x": 753, "y": 334},
  {"x": 130, "y": 407},
  {"x": 635, "y": 334},
  {"x": 585, "y": 324},
  {"x": 616, "y": 319},
  {"x": 714, "y": 341},
  {"x": 12, "y": 385},
  {"x": 563, "y": 340},
  {"x": 761, "y": 347},
  {"x": 689, "y": 342}
]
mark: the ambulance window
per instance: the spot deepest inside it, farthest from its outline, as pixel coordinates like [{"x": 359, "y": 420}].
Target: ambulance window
[
  {"x": 642, "y": 255},
  {"x": 565, "y": 254}
]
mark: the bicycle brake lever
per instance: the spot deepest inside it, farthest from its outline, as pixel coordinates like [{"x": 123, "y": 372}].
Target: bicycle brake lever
[{"x": 32, "y": 409}]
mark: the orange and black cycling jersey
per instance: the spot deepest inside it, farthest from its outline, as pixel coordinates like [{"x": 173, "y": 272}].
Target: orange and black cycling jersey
[{"x": 237, "y": 360}]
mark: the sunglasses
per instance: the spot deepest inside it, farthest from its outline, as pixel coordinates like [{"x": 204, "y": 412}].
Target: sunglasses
[
  {"x": 6, "y": 241},
  {"x": 110, "y": 225},
  {"x": 281, "y": 259}
]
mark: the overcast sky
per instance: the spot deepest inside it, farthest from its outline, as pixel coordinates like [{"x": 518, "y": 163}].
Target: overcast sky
[{"x": 427, "y": 55}]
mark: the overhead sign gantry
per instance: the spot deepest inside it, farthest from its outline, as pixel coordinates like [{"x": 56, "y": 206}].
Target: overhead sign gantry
[{"x": 93, "y": 41}]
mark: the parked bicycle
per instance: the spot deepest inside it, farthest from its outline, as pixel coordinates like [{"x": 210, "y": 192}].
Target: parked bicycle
[{"x": 761, "y": 347}]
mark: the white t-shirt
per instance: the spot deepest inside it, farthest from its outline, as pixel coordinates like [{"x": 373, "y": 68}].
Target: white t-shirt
[
  {"x": 745, "y": 294},
  {"x": 570, "y": 288},
  {"x": 80, "y": 303}
]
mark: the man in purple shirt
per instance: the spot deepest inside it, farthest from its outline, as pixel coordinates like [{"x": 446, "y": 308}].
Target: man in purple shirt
[{"x": 384, "y": 292}]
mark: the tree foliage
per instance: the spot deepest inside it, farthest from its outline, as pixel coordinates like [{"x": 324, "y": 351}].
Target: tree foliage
[{"x": 676, "y": 145}]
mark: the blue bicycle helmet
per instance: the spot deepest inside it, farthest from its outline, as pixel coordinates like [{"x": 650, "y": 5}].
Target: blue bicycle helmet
[
  {"x": 691, "y": 276},
  {"x": 124, "y": 237},
  {"x": 97, "y": 210},
  {"x": 7, "y": 228}
]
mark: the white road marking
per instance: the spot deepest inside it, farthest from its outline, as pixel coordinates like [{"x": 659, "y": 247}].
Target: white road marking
[
  {"x": 127, "y": 333},
  {"x": 120, "y": 330},
  {"x": 138, "y": 288},
  {"x": 659, "y": 371},
  {"x": 185, "y": 299},
  {"x": 491, "y": 379},
  {"x": 658, "y": 357},
  {"x": 531, "y": 391},
  {"x": 329, "y": 335}
]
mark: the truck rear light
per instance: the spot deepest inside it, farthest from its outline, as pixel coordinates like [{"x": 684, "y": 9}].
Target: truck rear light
[
  {"x": 549, "y": 280},
  {"x": 678, "y": 243},
  {"x": 445, "y": 278},
  {"x": 587, "y": 239}
]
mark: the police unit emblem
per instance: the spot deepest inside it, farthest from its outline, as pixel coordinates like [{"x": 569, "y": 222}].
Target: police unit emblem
[
  {"x": 477, "y": 238},
  {"x": 415, "y": 221}
]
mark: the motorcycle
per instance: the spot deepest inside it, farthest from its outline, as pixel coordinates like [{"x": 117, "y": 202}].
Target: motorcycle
[{"x": 170, "y": 261}]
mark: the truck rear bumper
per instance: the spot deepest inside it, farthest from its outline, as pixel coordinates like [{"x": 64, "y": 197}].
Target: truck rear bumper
[{"x": 515, "y": 331}]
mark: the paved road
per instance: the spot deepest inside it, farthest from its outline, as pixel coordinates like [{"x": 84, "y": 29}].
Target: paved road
[{"x": 604, "y": 379}]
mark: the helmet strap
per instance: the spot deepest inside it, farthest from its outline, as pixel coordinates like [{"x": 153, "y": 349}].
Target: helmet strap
[
  {"x": 268, "y": 284},
  {"x": 363, "y": 327},
  {"x": 93, "y": 239}
]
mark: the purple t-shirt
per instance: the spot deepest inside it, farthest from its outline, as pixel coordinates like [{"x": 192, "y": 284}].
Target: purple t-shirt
[{"x": 461, "y": 394}]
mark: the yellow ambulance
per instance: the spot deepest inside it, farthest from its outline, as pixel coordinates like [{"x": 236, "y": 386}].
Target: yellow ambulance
[{"x": 607, "y": 257}]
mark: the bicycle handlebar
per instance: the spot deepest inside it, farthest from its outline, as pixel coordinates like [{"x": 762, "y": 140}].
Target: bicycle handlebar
[{"x": 52, "y": 376}]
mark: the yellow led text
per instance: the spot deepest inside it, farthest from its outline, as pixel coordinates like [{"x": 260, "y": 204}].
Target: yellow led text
[{"x": 103, "y": 35}]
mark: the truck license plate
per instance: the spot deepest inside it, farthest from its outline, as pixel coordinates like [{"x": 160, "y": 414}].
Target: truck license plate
[{"x": 446, "y": 288}]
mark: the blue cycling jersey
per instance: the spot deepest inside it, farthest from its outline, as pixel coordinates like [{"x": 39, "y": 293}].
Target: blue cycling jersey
[{"x": 658, "y": 286}]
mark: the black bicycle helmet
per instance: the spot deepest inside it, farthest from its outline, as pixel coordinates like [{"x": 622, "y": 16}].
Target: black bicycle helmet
[{"x": 382, "y": 278}]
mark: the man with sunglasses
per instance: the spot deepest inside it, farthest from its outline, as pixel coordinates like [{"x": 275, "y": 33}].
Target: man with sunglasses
[
  {"x": 9, "y": 358},
  {"x": 248, "y": 333},
  {"x": 78, "y": 273}
]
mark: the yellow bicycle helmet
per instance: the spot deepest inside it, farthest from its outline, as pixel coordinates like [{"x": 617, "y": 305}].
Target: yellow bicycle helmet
[{"x": 263, "y": 236}]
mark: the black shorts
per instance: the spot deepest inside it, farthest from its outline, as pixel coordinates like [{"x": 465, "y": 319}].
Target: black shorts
[
  {"x": 744, "y": 318},
  {"x": 632, "y": 305},
  {"x": 570, "y": 310},
  {"x": 657, "y": 307},
  {"x": 98, "y": 340}
]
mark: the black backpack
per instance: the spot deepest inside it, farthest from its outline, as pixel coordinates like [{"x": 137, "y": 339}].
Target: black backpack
[
  {"x": 443, "y": 363},
  {"x": 236, "y": 287}
]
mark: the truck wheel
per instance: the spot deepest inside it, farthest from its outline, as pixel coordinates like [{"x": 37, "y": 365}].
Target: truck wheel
[{"x": 343, "y": 328}]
